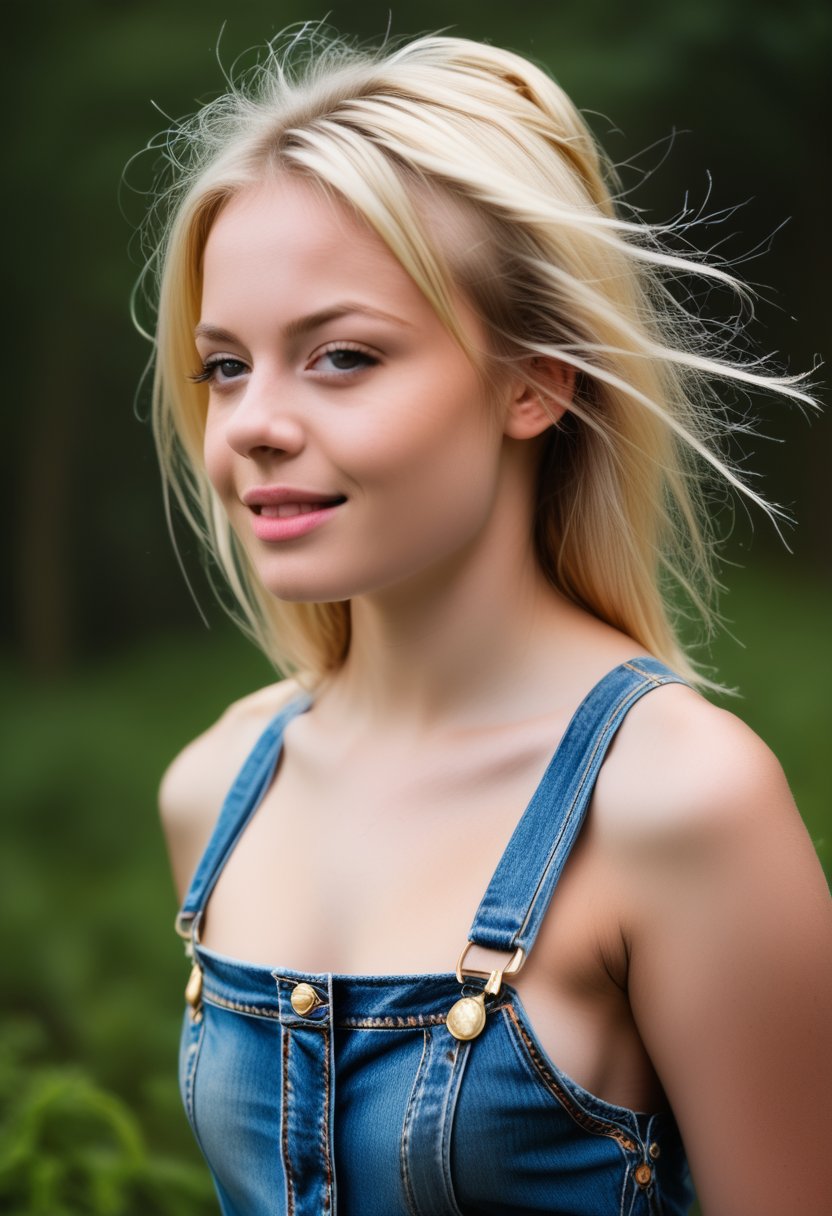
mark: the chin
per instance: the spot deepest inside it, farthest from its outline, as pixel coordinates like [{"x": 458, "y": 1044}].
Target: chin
[
  {"x": 306, "y": 592},
  {"x": 306, "y": 588},
  {"x": 308, "y": 596},
  {"x": 299, "y": 578},
  {"x": 324, "y": 583}
]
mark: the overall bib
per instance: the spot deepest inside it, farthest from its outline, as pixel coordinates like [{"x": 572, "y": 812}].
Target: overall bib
[{"x": 312, "y": 1094}]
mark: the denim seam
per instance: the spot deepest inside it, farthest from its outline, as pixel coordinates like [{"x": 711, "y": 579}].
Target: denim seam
[
  {"x": 190, "y": 1081},
  {"x": 325, "y": 1129},
  {"x": 410, "y": 1022},
  {"x": 451, "y": 1093},
  {"x": 600, "y": 739},
  {"x": 590, "y": 1123},
  {"x": 641, "y": 1197},
  {"x": 412, "y": 1106},
  {"x": 213, "y": 998},
  {"x": 657, "y": 681},
  {"x": 414, "y": 1021},
  {"x": 284, "y": 1129}
]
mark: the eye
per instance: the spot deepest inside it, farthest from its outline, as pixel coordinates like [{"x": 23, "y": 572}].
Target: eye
[
  {"x": 228, "y": 369},
  {"x": 341, "y": 358}
]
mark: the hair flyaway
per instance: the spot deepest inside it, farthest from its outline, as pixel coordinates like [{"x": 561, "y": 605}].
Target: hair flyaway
[{"x": 553, "y": 262}]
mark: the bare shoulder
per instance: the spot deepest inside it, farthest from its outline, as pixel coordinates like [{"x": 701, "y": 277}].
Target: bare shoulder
[
  {"x": 682, "y": 769},
  {"x": 195, "y": 783}
]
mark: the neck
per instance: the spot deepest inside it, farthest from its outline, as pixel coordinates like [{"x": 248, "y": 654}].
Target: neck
[{"x": 469, "y": 646}]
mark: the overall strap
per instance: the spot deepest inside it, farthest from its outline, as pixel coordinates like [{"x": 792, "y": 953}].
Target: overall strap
[
  {"x": 240, "y": 804},
  {"x": 512, "y": 909}
]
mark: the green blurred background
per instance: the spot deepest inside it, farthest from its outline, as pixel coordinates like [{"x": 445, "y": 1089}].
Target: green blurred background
[{"x": 108, "y": 667}]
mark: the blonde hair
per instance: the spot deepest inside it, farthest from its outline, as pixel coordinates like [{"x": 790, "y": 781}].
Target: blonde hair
[{"x": 622, "y": 518}]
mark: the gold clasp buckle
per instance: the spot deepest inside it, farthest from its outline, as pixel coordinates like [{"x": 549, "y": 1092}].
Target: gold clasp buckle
[
  {"x": 466, "y": 1018},
  {"x": 184, "y": 929},
  {"x": 514, "y": 964}
]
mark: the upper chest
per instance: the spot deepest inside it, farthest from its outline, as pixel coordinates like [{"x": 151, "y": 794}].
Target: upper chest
[
  {"x": 376, "y": 865},
  {"x": 375, "y": 860}
]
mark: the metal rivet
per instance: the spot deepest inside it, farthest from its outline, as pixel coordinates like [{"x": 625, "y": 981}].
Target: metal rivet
[
  {"x": 643, "y": 1175},
  {"x": 304, "y": 998},
  {"x": 654, "y": 1151},
  {"x": 466, "y": 1017}
]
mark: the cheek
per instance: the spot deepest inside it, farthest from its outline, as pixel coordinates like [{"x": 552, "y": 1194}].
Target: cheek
[
  {"x": 215, "y": 455},
  {"x": 435, "y": 467},
  {"x": 452, "y": 452},
  {"x": 427, "y": 427}
]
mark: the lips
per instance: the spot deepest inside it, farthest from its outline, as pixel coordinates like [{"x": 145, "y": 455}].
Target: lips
[
  {"x": 279, "y": 502},
  {"x": 278, "y": 522},
  {"x": 283, "y": 510}
]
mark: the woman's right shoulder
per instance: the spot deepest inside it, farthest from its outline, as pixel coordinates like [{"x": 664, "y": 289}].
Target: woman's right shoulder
[{"x": 197, "y": 780}]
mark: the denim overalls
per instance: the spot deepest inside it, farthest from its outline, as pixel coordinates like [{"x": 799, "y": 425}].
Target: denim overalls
[{"x": 312, "y": 1094}]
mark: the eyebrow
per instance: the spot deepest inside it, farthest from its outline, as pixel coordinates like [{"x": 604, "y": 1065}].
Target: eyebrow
[{"x": 303, "y": 325}]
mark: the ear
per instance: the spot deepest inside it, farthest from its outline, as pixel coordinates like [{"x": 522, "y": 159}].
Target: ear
[{"x": 539, "y": 400}]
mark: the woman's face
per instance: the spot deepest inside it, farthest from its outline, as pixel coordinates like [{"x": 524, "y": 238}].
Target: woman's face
[{"x": 331, "y": 380}]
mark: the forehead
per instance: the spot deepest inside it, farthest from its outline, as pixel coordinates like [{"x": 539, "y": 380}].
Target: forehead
[
  {"x": 287, "y": 244},
  {"x": 292, "y": 232}
]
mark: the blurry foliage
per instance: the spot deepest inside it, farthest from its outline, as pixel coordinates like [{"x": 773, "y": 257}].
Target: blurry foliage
[{"x": 69, "y": 1147}]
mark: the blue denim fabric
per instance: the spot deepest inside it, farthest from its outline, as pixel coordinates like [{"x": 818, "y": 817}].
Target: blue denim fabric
[{"x": 367, "y": 1105}]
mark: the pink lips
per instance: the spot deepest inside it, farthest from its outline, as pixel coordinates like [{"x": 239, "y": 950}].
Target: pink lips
[{"x": 268, "y": 525}]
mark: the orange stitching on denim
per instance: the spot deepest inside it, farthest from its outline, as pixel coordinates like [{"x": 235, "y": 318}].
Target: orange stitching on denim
[
  {"x": 325, "y": 1144},
  {"x": 284, "y": 1130},
  {"x": 590, "y": 1122},
  {"x": 414, "y": 1021},
  {"x": 214, "y": 999},
  {"x": 395, "y": 1023}
]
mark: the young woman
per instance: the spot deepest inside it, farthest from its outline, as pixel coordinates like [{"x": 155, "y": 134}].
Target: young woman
[{"x": 426, "y": 395}]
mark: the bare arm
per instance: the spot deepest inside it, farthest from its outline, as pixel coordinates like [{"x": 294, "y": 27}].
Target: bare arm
[{"x": 730, "y": 978}]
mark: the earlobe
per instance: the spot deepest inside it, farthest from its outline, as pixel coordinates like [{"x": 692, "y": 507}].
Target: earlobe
[{"x": 541, "y": 400}]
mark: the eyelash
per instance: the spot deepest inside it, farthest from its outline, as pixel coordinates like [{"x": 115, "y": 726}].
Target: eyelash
[
  {"x": 349, "y": 348},
  {"x": 210, "y": 366},
  {"x": 209, "y": 369}
]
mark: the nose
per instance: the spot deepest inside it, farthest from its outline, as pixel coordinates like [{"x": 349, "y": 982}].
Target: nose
[{"x": 262, "y": 419}]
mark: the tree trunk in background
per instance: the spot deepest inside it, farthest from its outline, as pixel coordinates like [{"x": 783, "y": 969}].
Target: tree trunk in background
[{"x": 45, "y": 584}]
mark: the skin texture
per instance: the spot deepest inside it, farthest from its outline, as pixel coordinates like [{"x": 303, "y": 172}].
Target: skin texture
[{"x": 685, "y": 954}]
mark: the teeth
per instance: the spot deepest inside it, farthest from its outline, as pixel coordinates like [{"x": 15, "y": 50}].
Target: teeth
[{"x": 284, "y": 509}]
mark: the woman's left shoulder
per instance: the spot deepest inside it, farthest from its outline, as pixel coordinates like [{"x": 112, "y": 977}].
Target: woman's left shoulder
[{"x": 683, "y": 768}]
